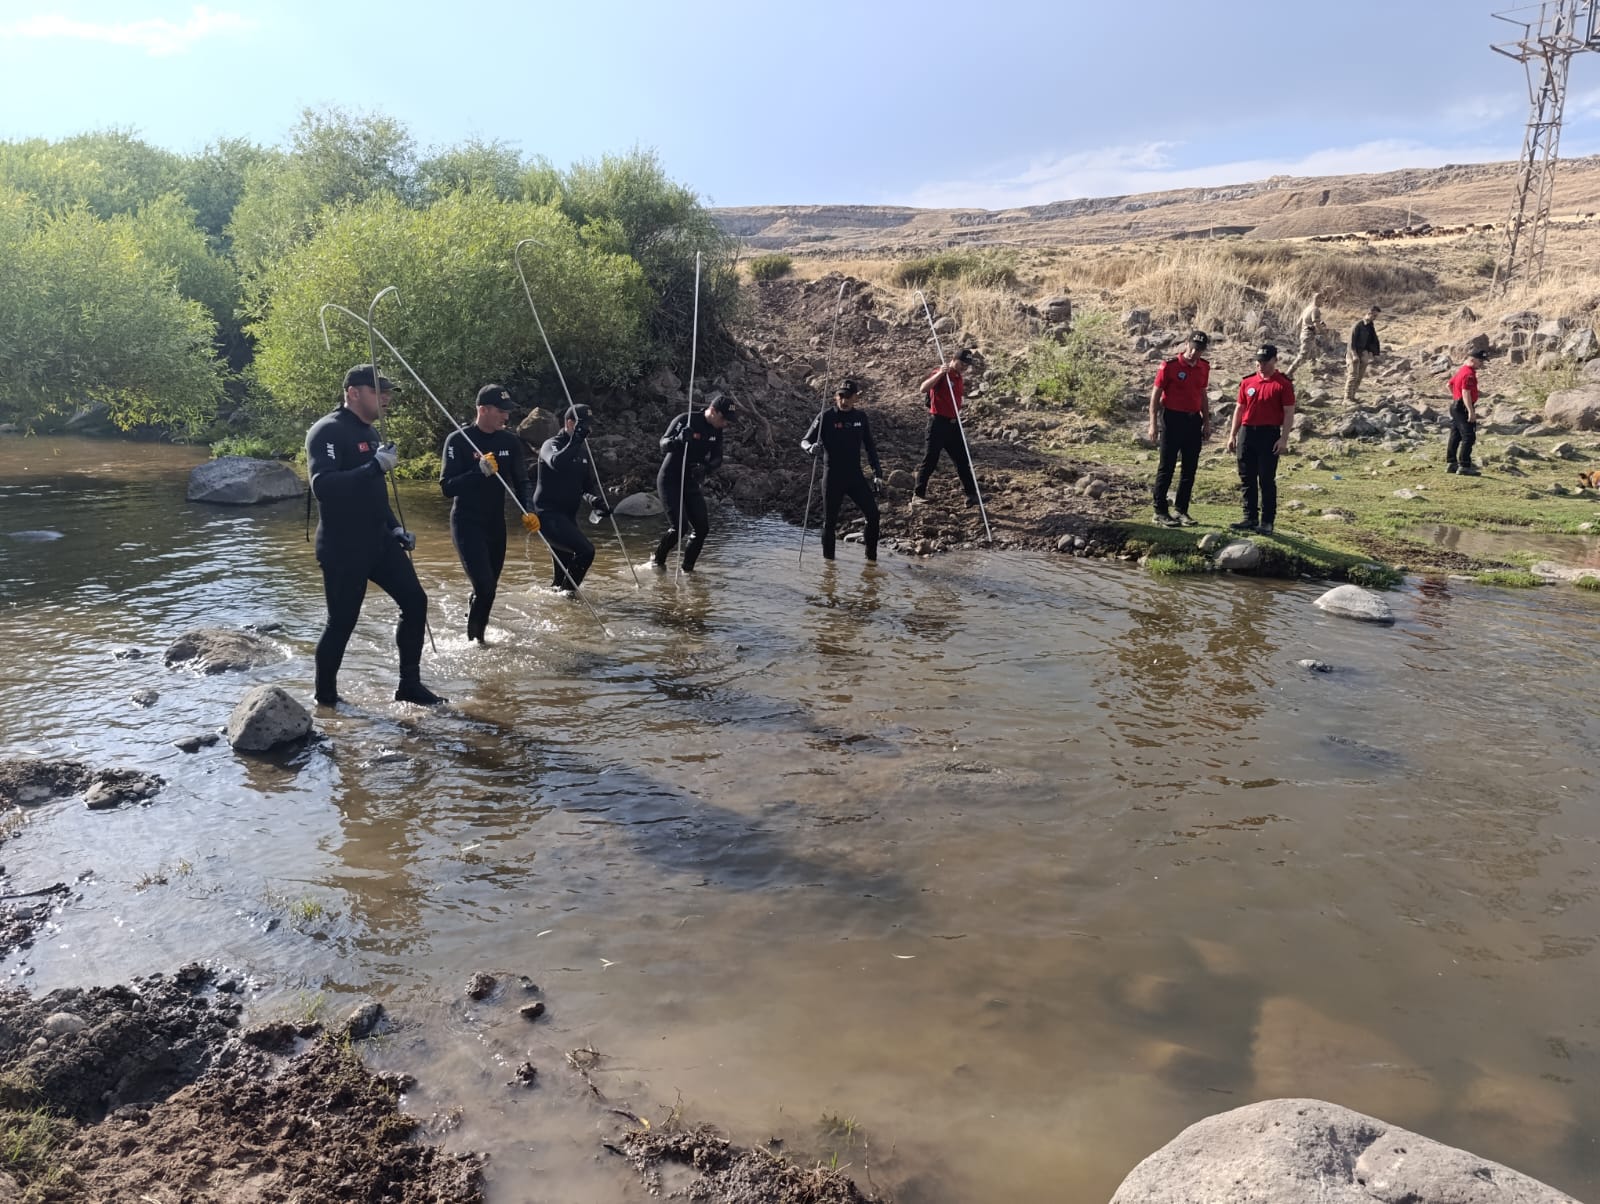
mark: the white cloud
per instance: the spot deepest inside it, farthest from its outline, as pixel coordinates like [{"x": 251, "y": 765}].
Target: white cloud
[
  {"x": 1120, "y": 170},
  {"x": 156, "y": 36}
]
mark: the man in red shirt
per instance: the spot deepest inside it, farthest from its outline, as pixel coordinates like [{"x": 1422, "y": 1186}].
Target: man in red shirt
[
  {"x": 945, "y": 390},
  {"x": 1260, "y": 434},
  {"x": 1178, "y": 408},
  {"x": 1464, "y": 415}
]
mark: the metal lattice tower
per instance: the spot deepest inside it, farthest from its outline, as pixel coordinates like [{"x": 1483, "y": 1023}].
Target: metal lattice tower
[{"x": 1552, "y": 32}]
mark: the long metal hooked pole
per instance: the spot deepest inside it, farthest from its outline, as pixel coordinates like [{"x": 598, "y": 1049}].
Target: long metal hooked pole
[
  {"x": 516, "y": 254},
  {"x": 374, "y": 332},
  {"x": 688, "y": 420},
  {"x": 960, "y": 426},
  {"x": 827, "y": 364}
]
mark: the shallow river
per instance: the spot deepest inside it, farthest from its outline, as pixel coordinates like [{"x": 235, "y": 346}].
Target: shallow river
[{"x": 1009, "y": 866}]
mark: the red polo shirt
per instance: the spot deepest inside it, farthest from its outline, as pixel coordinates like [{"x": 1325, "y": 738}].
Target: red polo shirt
[
  {"x": 1183, "y": 385},
  {"x": 940, "y": 402},
  {"x": 1263, "y": 399},
  {"x": 1465, "y": 382}
]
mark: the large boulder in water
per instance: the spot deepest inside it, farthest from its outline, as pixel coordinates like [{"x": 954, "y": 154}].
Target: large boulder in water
[
  {"x": 266, "y": 717},
  {"x": 1284, "y": 1151},
  {"x": 1353, "y": 602},
  {"x": 639, "y": 505},
  {"x": 219, "y": 650},
  {"x": 243, "y": 481}
]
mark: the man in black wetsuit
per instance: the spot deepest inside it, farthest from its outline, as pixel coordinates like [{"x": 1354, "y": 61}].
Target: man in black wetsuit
[
  {"x": 840, "y": 433},
  {"x": 358, "y": 537},
  {"x": 478, "y": 513},
  {"x": 564, "y": 476},
  {"x": 697, "y": 443}
]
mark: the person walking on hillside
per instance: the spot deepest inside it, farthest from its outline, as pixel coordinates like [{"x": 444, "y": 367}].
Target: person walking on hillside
[
  {"x": 1311, "y": 328},
  {"x": 563, "y": 482},
  {"x": 358, "y": 537},
  {"x": 1464, "y": 415},
  {"x": 467, "y": 475},
  {"x": 1259, "y": 434},
  {"x": 693, "y": 447},
  {"x": 1180, "y": 416},
  {"x": 841, "y": 433},
  {"x": 946, "y": 390},
  {"x": 1364, "y": 348}
]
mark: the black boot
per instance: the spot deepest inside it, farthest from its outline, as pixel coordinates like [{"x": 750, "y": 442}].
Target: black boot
[
  {"x": 327, "y": 690},
  {"x": 411, "y": 689}
]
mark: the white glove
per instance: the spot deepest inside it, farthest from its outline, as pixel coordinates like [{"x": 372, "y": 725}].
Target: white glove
[{"x": 386, "y": 457}]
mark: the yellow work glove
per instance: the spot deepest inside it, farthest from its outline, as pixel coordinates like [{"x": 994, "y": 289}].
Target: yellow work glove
[
  {"x": 530, "y": 523},
  {"x": 488, "y": 465}
]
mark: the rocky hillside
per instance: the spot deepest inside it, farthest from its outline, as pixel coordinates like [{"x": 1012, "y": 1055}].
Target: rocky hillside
[{"x": 1451, "y": 195}]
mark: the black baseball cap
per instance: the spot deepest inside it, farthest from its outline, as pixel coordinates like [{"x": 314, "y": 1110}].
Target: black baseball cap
[
  {"x": 495, "y": 395},
  {"x": 726, "y": 407},
  {"x": 1477, "y": 353},
  {"x": 1199, "y": 338},
  {"x": 578, "y": 413},
  {"x": 965, "y": 355},
  {"x": 847, "y": 388},
  {"x": 362, "y": 374},
  {"x": 1267, "y": 352}
]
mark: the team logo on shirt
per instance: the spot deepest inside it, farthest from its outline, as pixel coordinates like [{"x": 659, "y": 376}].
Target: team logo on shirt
[
  {"x": 332, "y": 455},
  {"x": 1183, "y": 376},
  {"x": 1250, "y": 392},
  {"x": 363, "y": 447}
]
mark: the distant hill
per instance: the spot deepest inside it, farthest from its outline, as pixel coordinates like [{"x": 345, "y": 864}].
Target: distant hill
[{"x": 1450, "y": 195}]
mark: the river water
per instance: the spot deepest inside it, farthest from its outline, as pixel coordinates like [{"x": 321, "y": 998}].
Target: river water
[{"x": 984, "y": 875}]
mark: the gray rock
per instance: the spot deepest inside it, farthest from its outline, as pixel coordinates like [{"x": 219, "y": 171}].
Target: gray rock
[
  {"x": 1136, "y": 321},
  {"x": 110, "y": 788},
  {"x": 1575, "y": 409},
  {"x": 1353, "y": 602},
  {"x": 900, "y": 478},
  {"x": 362, "y": 1021},
  {"x": 639, "y": 505},
  {"x": 60, "y": 1024},
  {"x": 1581, "y": 344},
  {"x": 539, "y": 425},
  {"x": 1240, "y": 557},
  {"x": 1520, "y": 319},
  {"x": 1315, "y": 666},
  {"x": 1406, "y": 495},
  {"x": 481, "y": 985},
  {"x": 193, "y": 744},
  {"x": 1057, "y": 309},
  {"x": 243, "y": 481},
  {"x": 1211, "y": 541},
  {"x": 144, "y": 698},
  {"x": 219, "y": 650},
  {"x": 1065, "y": 544},
  {"x": 266, "y": 717},
  {"x": 1358, "y": 426},
  {"x": 1590, "y": 371},
  {"x": 1286, "y": 1151},
  {"x": 945, "y": 325},
  {"x": 1564, "y": 451}
]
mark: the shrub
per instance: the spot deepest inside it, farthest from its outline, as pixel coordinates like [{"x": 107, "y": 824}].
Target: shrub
[
  {"x": 1072, "y": 373},
  {"x": 1372, "y": 576},
  {"x": 1589, "y": 583},
  {"x": 770, "y": 267},
  {"x": 256, "y": 447},
  {"x": 984, "y": 269}
]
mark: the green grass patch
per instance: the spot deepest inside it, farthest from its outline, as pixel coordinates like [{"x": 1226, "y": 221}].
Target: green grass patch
[
  {"x": 258, "y": 447},
  {"x": 1508, "y": 578},
  {"x": 1592, "y": 584},
  {"x": 1173, "y": 564},
  {"x": 770, "y": 267},
  {"x": 30, "y": 1144},
  {"x": 982, "y": 269}
]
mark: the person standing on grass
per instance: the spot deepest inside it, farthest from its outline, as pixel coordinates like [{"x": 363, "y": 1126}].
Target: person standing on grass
[
  {"x": 1364, "y": 348},
  {"x": 945, "y": 390},
  {"x": 1259, "y": 434},
  {"x": 1311, "y": 328},
  {"x": 1180, "y": 417},
  {"x": 1464, "y": 415}
]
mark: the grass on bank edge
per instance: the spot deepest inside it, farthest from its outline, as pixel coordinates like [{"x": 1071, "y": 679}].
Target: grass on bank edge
[{"x": 1509, "y": 579}]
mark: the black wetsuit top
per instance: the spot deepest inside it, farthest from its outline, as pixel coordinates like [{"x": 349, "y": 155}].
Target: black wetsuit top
[
  {"x": 564, "y": 474},
  {"x": 703, "y": 449},
  {"x": 478, "y": 498},
  {"x": 354, "y": 522},
  {"x": 844, "y": 433}
]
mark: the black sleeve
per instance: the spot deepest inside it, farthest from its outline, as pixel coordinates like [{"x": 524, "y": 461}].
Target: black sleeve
[
  {"x": 558, "y": 457},
  {"x": 671, "y": 435},
  {"x": 1355, "y": 337},
  {"x": 521, "y": 483},
  {"x": 458, "y": 466},
  {"x": 329, "y": 482},
  {"x": 1376, "y": 348},
  {"x": 814, "y": 431},
  {"x": 872, "y": 448}
]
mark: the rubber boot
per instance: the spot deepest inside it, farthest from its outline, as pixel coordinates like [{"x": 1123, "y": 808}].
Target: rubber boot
[{"x": 411, "y": 689}]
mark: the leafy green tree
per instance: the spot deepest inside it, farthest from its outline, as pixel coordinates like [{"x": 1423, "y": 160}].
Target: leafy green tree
[
  {"x": 460, "y": 318},
  {"x": 213, "y": 181},
  {"x": 166, "y": 232},
  {"x": 111, "y": 171},
  {"x": 87, "y": 316},
  {"x": 471, "y": 166}
]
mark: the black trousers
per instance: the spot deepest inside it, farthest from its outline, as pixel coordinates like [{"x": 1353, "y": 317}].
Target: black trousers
[
  {"x": 837, "y": 487},
  {"x": 1258, "y": 472},
  {"x": 345, "y": 587},
  {"x": 482, "y": 548},
  {"x": 694, "y": 513},
  {"x": 944, "y": 435},
  {"x": 1180, "y": 436},
  {"x": 1463, "y": 435},
  {"x": 572, "y": 550}
]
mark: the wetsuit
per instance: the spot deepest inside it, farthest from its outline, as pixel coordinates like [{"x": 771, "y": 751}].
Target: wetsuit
[
  {"x": 356, "y": 543},
  {"x": 478, "y": 513},
  {"x": 843, "y": 435},
  {"x": 944, "y": 435},
  {"x": 564, "y": 476},
  {"x": 699, "y": 444}
]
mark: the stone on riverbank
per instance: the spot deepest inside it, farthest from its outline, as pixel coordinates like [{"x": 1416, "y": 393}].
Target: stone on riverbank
[
  {"x": 1240, "y": 557},
  {"x": 1353, "y": 602},
  {"x": 1574, "y": 409},
  {"x": 243, "y": 481},
  {"x": 639, "y": 505},
  {"x": 266, "y": 717},
  {"x": 219, "y": 650},
  {"x": 1289, "y": 1150}
]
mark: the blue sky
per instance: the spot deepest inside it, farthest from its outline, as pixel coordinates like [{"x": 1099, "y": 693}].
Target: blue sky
[{"x": 937, "y": 103}]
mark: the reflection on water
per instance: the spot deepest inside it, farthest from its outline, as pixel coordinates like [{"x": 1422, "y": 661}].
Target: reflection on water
[
  {"x": 1578, "y": 551},
  {"x": 1023, "y": 863}
]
